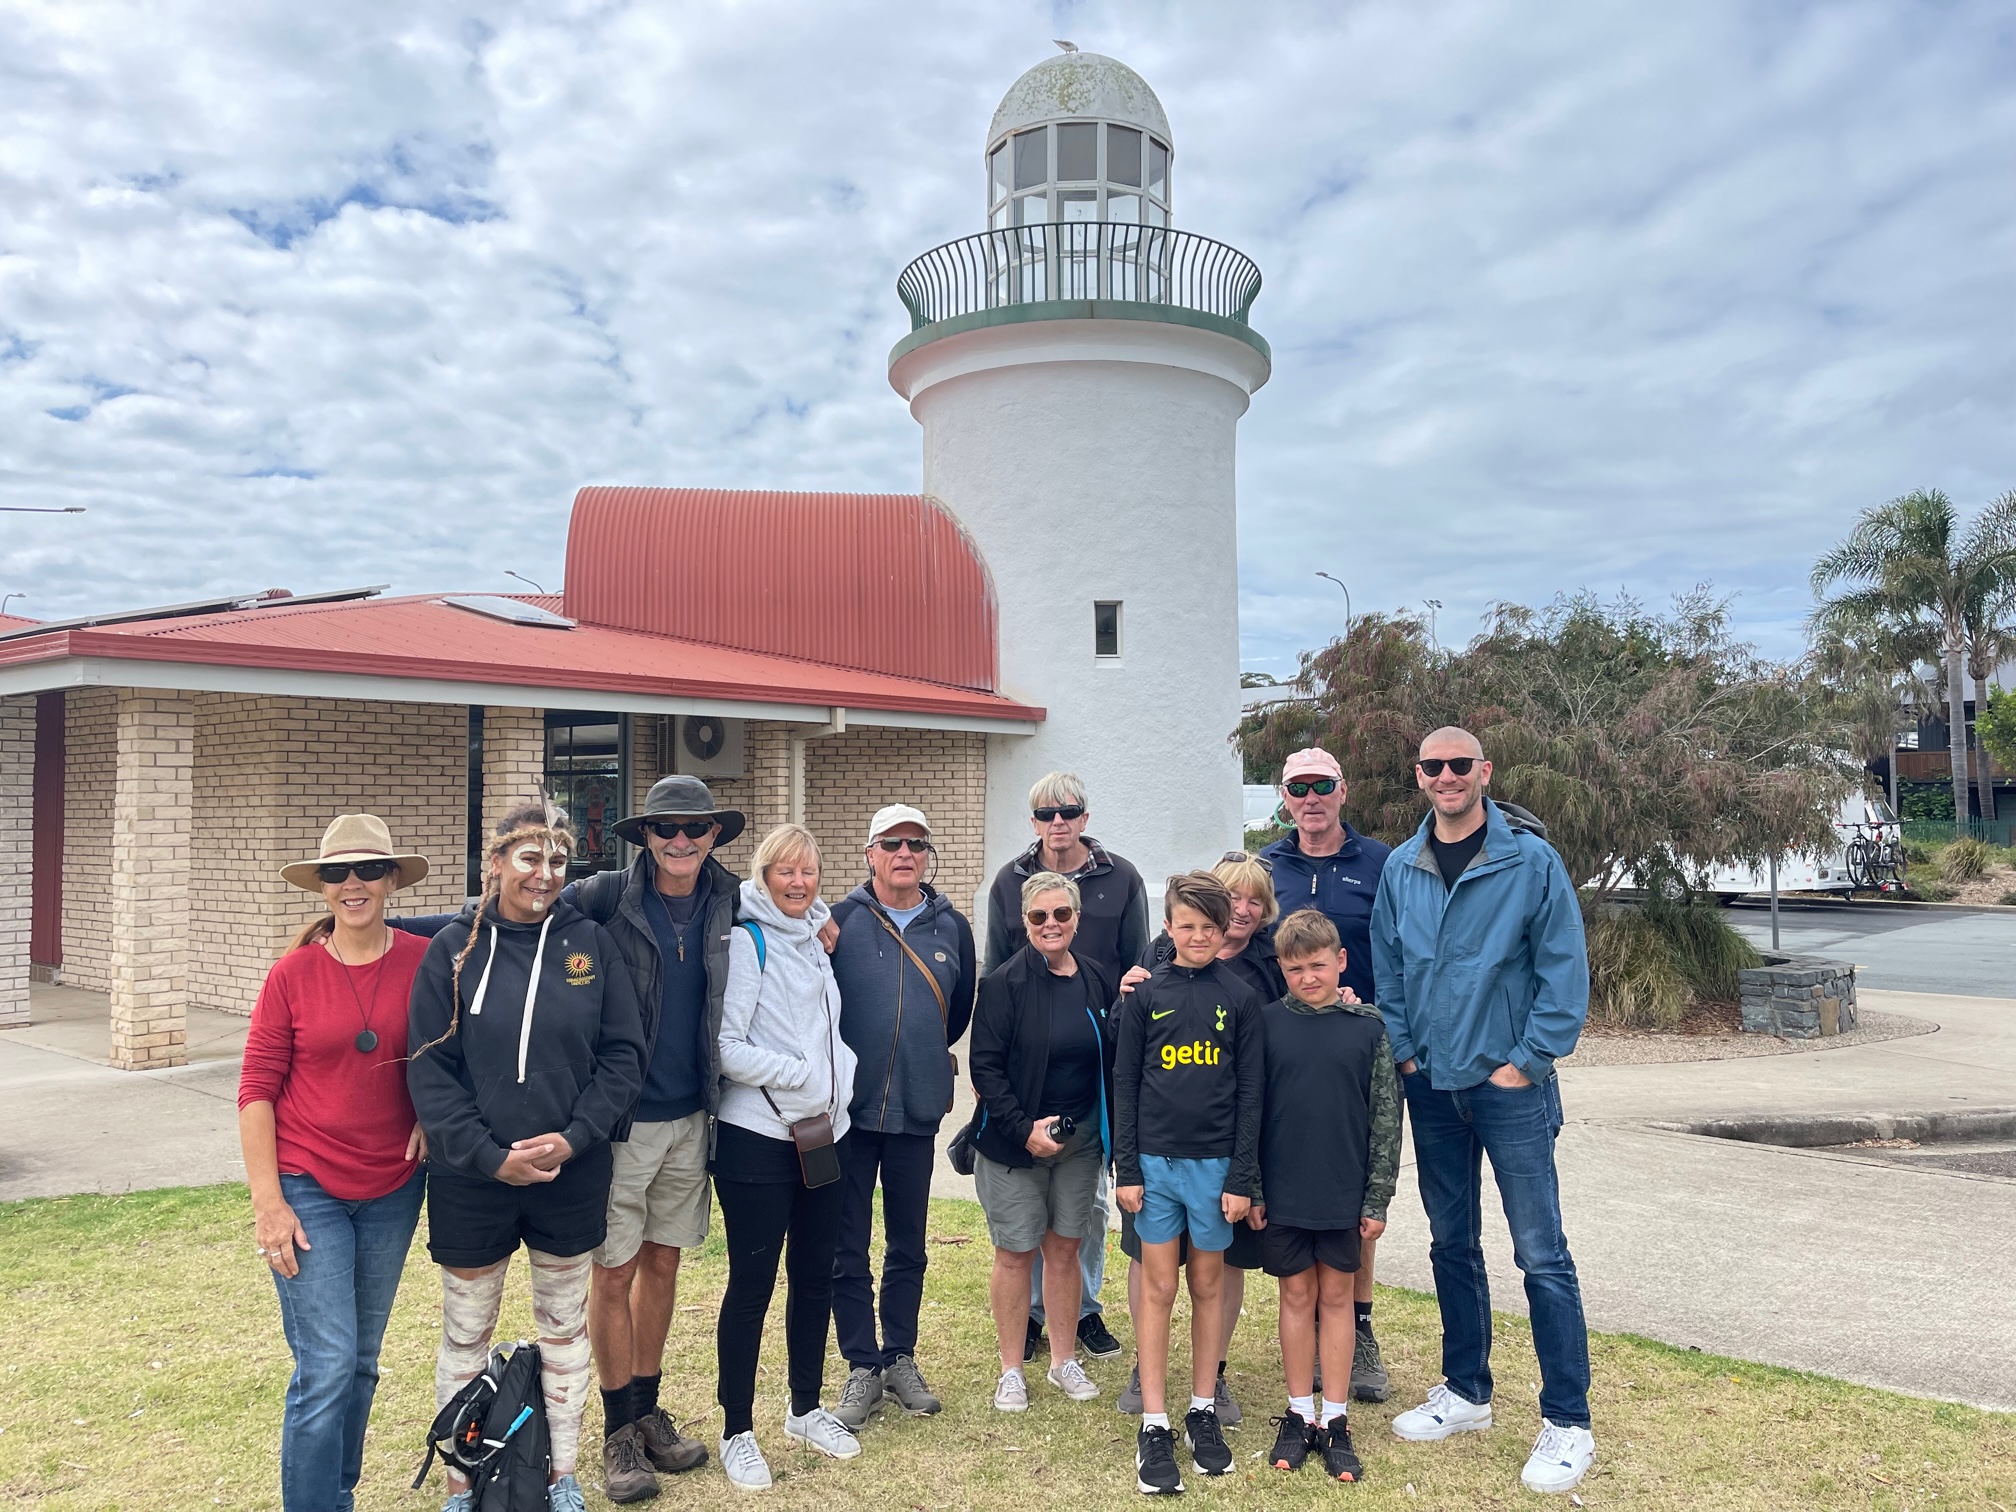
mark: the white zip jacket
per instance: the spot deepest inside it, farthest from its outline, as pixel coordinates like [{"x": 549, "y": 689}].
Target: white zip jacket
[{"x": 780, "y": 1024}]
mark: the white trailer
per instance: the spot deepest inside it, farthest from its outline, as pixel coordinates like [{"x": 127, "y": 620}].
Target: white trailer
[{"x": 1868, "y": 856}]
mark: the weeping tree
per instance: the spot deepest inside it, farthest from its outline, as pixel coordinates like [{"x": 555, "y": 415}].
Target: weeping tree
[{"x": 1652, "y": 745}]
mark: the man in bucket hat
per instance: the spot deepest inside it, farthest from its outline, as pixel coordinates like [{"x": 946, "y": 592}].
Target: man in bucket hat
[{"x": 670, "y": 914}]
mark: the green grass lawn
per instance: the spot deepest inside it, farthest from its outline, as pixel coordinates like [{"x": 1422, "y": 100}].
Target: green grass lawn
[{"x": 144, "y": 1368}]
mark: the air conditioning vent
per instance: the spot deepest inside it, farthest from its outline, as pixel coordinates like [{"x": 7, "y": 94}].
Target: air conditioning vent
[{"x": 703, "y": 745}]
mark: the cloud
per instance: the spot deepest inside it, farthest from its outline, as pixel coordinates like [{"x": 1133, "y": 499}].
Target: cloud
[{"x": 1560, "y": 296}]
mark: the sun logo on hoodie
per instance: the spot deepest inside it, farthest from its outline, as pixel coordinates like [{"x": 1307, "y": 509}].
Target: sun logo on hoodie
[{"x": 580, "y": 968}]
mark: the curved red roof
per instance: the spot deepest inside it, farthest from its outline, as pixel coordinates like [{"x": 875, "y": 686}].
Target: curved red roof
[{"x": 886, "y": 583}]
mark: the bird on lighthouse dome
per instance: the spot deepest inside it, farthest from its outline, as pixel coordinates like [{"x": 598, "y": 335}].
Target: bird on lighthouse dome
[{"x": 1079, "y": 137}]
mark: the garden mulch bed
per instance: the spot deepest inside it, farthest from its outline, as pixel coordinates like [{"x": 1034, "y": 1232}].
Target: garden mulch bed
[{"x": 1712, "y": 1031}]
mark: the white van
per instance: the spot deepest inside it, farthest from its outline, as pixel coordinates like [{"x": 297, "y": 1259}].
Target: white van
[{"x": 1868, "y": 856}]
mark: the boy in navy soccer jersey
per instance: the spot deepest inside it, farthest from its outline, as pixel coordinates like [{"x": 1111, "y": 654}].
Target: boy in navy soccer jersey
[{"x": 1188, "y": 1078}]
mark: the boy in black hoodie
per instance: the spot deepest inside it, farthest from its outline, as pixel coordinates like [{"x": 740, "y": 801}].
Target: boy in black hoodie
[
  {"x": 1187, "y": 1083},
  {"x": 530, "y": 1052}
]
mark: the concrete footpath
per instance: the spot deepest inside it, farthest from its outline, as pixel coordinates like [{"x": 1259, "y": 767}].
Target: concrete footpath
[{"x": 1822, "y": 1260}]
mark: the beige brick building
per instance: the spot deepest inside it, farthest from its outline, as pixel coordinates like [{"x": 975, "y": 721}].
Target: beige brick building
[{"x": 159, "y": 769}]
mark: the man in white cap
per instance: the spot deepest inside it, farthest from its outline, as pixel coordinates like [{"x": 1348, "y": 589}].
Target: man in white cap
[
  {"x": 905, "y": 964},
  {"x": 1324, "y": 864}
]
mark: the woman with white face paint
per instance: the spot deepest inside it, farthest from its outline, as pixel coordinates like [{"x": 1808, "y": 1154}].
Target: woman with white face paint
[{"x": 530, "y": 1053}]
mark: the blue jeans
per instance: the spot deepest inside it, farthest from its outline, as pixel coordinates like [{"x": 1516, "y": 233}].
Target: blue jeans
[
  {"x": 334, "y": 1310},
  {"x": 1453, "y": 1131},
  {"x": 1091, "y": 1259}
]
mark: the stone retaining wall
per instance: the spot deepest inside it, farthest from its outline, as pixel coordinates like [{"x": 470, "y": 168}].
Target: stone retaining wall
[{"x": 1799, "y": 997}]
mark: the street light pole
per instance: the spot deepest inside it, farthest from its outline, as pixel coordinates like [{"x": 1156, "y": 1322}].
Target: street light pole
[
  {"x": 1347, "y": 602},
  {"x": 524, "y": 579}
]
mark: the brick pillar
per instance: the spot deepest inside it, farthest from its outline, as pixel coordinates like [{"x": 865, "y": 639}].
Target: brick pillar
[
  {"x": 151, "y": 809},
  {"x": 514, "y": 760},
  {"x": 17, "y": 828}
]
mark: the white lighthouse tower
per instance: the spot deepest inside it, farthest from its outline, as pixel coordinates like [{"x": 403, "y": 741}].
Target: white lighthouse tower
[{"x": 1079, "y": 369}]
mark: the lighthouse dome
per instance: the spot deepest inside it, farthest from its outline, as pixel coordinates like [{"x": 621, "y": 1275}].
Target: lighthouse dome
[
  {"x": 1079, "y": 137},
  {"x": 1079, "y": 86}
]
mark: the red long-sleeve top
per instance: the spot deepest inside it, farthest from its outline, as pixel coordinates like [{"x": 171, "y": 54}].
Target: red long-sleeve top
[{"x": 339, "y": 1115}]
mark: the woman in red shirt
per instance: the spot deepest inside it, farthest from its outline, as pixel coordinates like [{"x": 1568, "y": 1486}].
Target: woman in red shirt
[{"x": 332, "y": 1150}]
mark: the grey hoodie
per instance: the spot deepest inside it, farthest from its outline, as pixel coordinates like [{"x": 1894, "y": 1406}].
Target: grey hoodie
[{"x": 780, "y": 1023}]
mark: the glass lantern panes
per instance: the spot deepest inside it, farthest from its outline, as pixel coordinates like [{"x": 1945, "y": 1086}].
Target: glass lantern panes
[
  {"x": 1123, "y": 156},
  {"x": 1077, "y": 152},
  {"x": 1032, "y": 158}
]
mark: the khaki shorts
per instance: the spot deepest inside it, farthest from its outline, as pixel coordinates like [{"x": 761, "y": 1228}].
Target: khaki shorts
[
  {"x": 1058, "y": 1194},
  {"x": 658, "y": 1189}
]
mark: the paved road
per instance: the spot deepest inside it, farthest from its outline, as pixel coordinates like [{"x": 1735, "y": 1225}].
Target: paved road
[{"x": 1965, "y": 953}]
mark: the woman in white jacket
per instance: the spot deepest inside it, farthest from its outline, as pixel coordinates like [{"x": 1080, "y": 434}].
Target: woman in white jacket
[{"x": 787, "y": 1077}]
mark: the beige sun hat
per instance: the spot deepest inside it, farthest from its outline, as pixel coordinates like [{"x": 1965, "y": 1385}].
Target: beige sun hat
[{"x": 356, "y": 837}]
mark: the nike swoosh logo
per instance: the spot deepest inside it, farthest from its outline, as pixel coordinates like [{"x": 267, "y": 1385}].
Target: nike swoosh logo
[{"x": 1163, "y": 1014}]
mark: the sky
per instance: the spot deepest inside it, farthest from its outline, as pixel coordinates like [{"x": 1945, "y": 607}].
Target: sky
[{"x": 1562, "y": 294}]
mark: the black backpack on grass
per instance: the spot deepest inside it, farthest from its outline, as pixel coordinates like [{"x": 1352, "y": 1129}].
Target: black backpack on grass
[{"x": 494, "y": 1432}]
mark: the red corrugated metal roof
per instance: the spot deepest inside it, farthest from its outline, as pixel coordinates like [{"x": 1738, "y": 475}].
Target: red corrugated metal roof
[
  {"x": 883, "y": 582},
  {"x": 425, "y": 638},
  {"x": 14, "y": 622}
]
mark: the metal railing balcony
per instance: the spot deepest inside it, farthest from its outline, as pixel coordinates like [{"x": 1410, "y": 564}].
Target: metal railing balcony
[{"x": 1079, "y": 260}]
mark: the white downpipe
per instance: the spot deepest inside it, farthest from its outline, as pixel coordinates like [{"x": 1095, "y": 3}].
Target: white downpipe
[{"x": 835, "y": 725}]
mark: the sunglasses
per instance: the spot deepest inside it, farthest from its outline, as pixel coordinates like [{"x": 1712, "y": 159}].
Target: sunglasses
[
  {"x": 692, "y": 829},
  {"x": 897, "y": 843},
  {"x": 1060, "y": 811},
  {"x": 1431, "y": 766},
  {"x": 1041, "y": 916},
  {"x": 336, "y": 873},
  {"x": 1322, "y": 786}
]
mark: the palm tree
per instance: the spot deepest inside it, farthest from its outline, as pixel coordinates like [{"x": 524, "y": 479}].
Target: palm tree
[
  {"x": 1991, "y": 640},
  {"x": 1908, "y": 564},
  {"x": 1872, "y": 672}
]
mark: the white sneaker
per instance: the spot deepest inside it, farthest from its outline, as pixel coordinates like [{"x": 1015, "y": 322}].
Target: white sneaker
[
  {"x": 1011, "y": 1392},
  {"x": 1070, "y": 1378},
  {"x": 821, "y": 1431},
  {"x": 744, "y": 1462},
  {"x": 1442, "y": 1414},
  {"x": 1560, "y": 1458}
]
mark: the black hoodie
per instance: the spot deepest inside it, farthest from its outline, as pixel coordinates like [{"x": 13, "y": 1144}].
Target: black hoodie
[{"x": 490, "y": 1083}]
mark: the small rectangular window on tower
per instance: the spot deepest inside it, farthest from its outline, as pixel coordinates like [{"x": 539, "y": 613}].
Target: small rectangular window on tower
[{"x": 1106, "y": 628}]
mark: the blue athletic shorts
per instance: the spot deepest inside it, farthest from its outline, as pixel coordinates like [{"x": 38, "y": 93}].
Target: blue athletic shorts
[{"x": 1183, "y": 1194}]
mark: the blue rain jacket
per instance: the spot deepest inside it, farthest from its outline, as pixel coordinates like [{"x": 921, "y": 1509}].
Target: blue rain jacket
[{"x": 1491, "y": 971}]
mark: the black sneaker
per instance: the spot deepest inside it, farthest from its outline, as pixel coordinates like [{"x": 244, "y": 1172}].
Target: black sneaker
[
  {"x": 1096, "y": 1337},
  {"x": 1292, "y": 1443},
  {"x": 1206, "y": 1441},
  {"x": 1340, "y": 1460},
  {"x": 1155, "y": 1469},
  {"x": 1032, "y": 1341}
]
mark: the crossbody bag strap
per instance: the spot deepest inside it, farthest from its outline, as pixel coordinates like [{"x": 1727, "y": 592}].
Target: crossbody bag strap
[
  {"x": 832, "y": 1046},
  {"x": 916, "y": 960}
]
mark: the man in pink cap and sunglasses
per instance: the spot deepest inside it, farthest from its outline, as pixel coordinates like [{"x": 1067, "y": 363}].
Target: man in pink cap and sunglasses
[{"x": 1324, "y": 864}]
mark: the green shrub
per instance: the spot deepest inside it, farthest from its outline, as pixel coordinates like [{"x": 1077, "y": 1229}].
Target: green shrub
[
  {"x": 2007, "y": 900},
  {"x": 1920, "y": 853},
  {"x": 1634, "y": 982},
  {"x": 1927, "y": 885},
  {"x": 1965, "y": 859},
  {"x": 1646, "y": 965},
  {"x": 1923, "y": 801}
]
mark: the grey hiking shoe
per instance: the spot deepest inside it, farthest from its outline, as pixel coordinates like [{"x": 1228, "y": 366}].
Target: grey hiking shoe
[
  {"x": 1130, "y": 1399},
  {"x": 1369, "y": 1381},
  {"x": 906, "y": 1384},
  {"x": 1222, "y": 1404},
  {"x": 860, "y": 1399}
]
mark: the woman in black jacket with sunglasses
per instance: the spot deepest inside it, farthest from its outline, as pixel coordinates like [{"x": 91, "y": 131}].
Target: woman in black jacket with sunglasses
[{"x": 1043, "y": 1073}]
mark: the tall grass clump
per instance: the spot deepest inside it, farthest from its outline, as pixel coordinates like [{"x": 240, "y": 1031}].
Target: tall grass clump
[
  {"x": 1966, "y": 859},
  {"x": 1648, "y": 965}
]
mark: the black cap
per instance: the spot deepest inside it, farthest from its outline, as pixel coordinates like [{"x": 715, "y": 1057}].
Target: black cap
[{"x": 683, "y": 798}]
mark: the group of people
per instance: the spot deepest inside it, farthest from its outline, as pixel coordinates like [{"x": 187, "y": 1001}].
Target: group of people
[{"x": 576, "y": 1067}]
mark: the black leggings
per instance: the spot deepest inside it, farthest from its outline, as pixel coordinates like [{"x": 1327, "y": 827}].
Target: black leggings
[{"x": 757, "y": 1216}]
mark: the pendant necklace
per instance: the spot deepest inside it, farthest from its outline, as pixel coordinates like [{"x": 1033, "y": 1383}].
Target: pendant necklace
[
  {"x": 367, "y": 1038},
  {"x": 678, "y": 934}
]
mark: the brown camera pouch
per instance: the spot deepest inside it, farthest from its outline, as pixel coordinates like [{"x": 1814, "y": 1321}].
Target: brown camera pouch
[{"x": 818, "y": 1156}]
